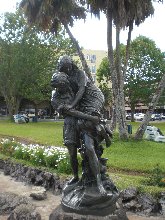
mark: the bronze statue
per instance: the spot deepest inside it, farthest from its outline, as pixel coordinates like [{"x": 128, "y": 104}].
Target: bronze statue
[{"x": 81, "y": 103}]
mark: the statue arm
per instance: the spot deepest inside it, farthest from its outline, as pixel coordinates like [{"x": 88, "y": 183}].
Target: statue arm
[
  {"x": 82, "y": 83},
  {"x": 81, "y": 115},
  {"x": 78, "y": 96}
]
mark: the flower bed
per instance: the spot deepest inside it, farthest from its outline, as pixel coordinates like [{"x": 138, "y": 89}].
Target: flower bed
[{"x": 49, "y": 156}]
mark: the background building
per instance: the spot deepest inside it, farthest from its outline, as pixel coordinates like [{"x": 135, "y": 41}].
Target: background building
[{"x": 94, "y": 58}]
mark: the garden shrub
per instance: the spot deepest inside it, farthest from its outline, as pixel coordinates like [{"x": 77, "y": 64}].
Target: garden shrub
[{"x": 157, "y": 177}]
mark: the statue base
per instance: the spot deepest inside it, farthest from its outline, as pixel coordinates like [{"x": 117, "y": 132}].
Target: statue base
[
  {"x": 88, "y": 200},
  {"x": 85, "y": 202},
  {"x": 60, "y": 214}
]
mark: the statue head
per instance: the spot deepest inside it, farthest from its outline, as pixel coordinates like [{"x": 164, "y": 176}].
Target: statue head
[
  {"x": 65, "y": 64},
  {"x": 60, "y": 80}
]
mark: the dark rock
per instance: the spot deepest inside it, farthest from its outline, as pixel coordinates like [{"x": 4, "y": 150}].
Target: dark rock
[
  {"x": 48, "y": 180},
  {"x": 60, "y": 214},
  {"x": 57, "y": 185},
  {"x": 162, "y": 203},
  {"x": 6, "y": 169},
  {"x": 2, "y": 163},
  {"x": 129, "y": 194},
  {"x": 39, "y": 179},
  {"x": 39, "y": 193},
  {"x": 25, "y": 212},
  {"x": 148, "y": 203},
  {"x": 9, "y": 201}
]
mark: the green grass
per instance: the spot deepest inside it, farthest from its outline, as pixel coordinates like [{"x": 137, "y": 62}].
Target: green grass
[
  {"x": 140, "y": 156},
  {"x": 129, "y": 162},
  {"x": 123, "y": 181},
  {"x": 47, "y": 133}
]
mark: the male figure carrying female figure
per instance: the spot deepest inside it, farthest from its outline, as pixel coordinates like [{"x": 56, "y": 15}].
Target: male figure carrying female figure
[{"x": 89, "y": 100}]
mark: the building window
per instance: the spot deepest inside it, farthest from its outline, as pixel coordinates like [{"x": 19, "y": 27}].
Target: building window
[
  {"x": 93, "y": 69},
  {"x": 93, "y": 58}
]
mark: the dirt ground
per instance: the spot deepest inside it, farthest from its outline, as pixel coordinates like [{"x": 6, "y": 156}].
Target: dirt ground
[{"x": 44, "y": 207}]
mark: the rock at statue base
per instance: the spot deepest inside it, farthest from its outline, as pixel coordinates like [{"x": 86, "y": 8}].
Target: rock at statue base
[
  {"x": 60, "y": 214},
  {"x": 24, "y": 211}
]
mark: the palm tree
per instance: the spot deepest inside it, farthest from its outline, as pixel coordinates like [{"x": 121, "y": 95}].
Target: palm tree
[
  {"x": 50, "y": 14},
  {"x": 122, "y": 14}
]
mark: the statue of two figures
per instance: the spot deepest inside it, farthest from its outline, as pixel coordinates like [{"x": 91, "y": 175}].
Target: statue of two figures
[{"x": 80, "y": 102}]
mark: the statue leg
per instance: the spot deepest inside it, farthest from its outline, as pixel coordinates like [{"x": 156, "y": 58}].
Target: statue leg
[
  {"x": 93, "y": 161},
  {"x": 72, "y": 149}
]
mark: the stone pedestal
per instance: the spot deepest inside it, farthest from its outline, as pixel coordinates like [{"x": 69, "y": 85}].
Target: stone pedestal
[{"x": 60, "y": 214}]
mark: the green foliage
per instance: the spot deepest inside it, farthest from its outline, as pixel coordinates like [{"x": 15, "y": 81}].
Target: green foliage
[
  {"x": 156, "y": 178},
  {"x": 64, "y": 165},
  {"x": 145, "y": 68},
  {"x": 7, "y": 147},
  {"x": 146, "y": 65},
  {"x": 20, "y": 153},
  {"x": 103, "y": 77},
  {"x": 51, "y": 160},
  {"x": 27, "y": 59},
  {"x": 104, "y": 72}
]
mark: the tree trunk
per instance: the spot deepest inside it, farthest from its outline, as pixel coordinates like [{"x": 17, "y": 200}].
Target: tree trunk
[
  {"x": 81, "y": 55},
  {"x": 128, "y": 48},
  {"x": 111, "y": 64},
  {"x": 132, "y": 112},
  {"x": 13, "y": 104},
  {"x": 140, "y": 131},
  {"x": 117, "y": 79},
  {"x": 121, "y": 116},
  {"x": 113, "y": 119}
]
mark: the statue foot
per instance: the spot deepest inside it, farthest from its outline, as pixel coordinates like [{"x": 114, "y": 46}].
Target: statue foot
[{"x": 73, "y": 180}]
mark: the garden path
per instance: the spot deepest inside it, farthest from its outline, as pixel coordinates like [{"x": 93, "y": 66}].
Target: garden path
[{"x": 44, "y": 207}]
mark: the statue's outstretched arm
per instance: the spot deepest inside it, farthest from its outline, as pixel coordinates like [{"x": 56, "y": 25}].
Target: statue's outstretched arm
[{"x": 81, "y": 115}]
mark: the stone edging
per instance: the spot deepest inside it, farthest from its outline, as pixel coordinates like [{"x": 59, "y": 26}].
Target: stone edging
[{"x": 132, "y": 200}]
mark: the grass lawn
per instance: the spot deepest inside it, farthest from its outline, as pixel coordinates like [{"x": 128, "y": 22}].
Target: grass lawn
[
  {"x": 47, "y": 133},
  {"x": 128, "y": 161},
  {"x": 140, "y": 156}
]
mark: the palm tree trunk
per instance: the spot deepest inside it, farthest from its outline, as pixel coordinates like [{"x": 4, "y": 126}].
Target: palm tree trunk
[
  {"x": 111, "y": 64},
  {"x": 140, "y": 131},
  {"x": 81, "y": 55},
  {"x": 121, "y": 117},
  {"x": 128, "y": 48}
]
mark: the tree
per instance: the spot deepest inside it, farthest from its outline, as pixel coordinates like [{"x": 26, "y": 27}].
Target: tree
[
  {"x": 146, "y": 66},
  {"x": 103, "y": 77},
  {"x": 122, "y": 14},
  {"x": 50, "y": 14},
  {"x": 145, "y": 69},
  {"x": 27, "y": 58}
]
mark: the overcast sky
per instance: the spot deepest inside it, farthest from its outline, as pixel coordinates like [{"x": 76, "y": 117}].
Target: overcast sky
[{"x": 92, "y": 33}]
